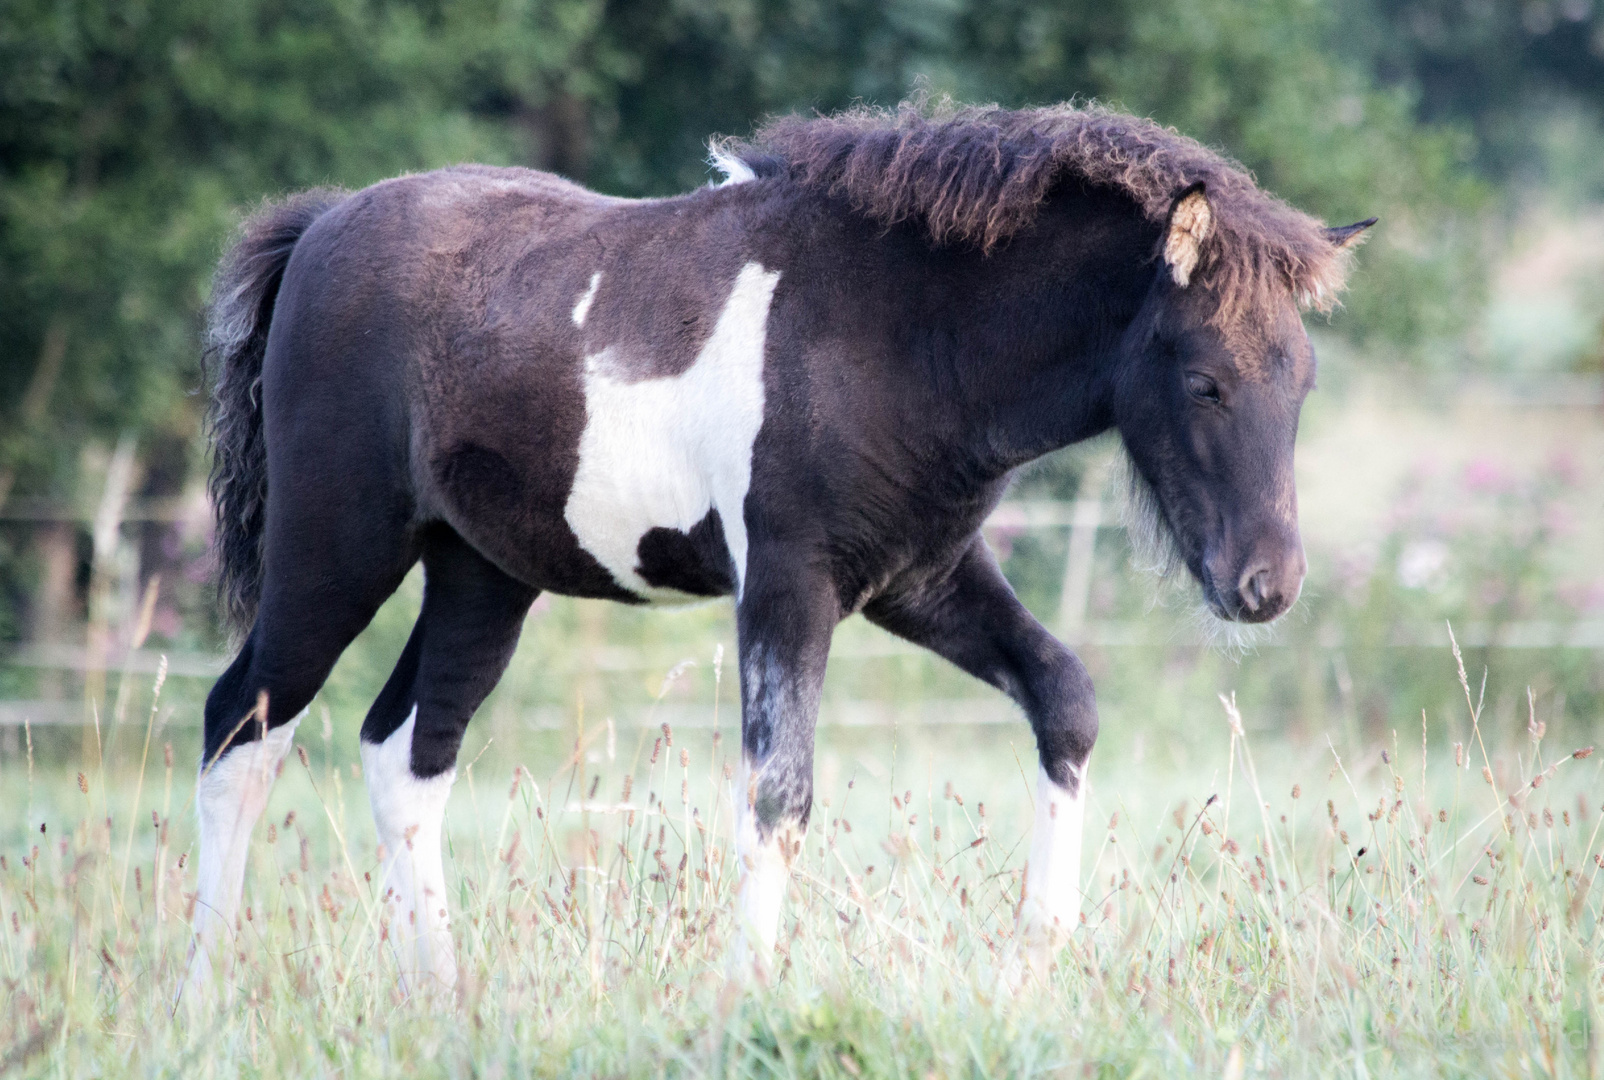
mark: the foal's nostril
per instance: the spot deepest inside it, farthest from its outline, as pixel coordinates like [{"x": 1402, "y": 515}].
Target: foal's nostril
[{"x": 1255, "y": 587}]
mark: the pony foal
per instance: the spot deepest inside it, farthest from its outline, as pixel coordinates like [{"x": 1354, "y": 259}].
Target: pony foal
[{"x": 805, "y": 388}]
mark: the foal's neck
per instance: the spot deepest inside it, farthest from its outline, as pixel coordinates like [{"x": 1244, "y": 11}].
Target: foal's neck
[{"x": 1035, "y": 329}]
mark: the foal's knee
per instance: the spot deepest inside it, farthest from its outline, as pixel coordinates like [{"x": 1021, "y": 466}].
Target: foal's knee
[
  {"x": 779, "y": 793},
  {"x": 1063, "y": 712}
]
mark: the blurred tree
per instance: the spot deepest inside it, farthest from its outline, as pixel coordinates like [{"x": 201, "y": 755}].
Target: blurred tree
[
  {"x": 132, "y": 133},
  {"x": 1506, "y": 71}
]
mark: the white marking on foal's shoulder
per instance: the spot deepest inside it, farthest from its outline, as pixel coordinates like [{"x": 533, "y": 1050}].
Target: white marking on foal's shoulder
[
  {"x": 582, "y": 308},
  {"x": 661, "y": 453}
]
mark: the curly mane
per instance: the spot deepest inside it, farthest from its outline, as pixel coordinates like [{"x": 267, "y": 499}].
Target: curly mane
[{"x": 976, "y": 175}]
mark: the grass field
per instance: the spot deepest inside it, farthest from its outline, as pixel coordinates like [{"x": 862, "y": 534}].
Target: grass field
[{"x": 1427, "y": 905}]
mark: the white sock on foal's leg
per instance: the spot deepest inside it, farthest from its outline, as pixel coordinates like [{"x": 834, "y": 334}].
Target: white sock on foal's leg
[
  {"x": 230, "y": 796},
  {"x": 410, "y": 813},
  {"x": 1052, "y": 880},
  {"x": 765, "y": 869}
]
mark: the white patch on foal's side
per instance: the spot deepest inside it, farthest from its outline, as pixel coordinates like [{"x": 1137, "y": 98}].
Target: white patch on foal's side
[
  {"x": 409, "y": 813},
  {"x": 1052, "y": 879},
  {"x": 582, "y": 308},
  {"x": 663, "y": 452},
  {"x": 230, "y": 795}
]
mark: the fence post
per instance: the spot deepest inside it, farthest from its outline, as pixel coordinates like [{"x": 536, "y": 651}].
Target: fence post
[{"x": 1084, "y": 523}]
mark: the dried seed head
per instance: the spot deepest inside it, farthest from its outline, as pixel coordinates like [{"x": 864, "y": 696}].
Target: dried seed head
[
  {"x": 1442, "y": 816},
  {"x": 167, "y": 754},
  {"x": 83, "y": 786},
  {"x": 668, "y": 734},
  {"x": 684, "y": 758},
  {"x": 1297, "y": 791},
  {"x": 1585, "y": 752},
  {"x": 1386, "y": 758},
  {"x": 1487, "y": 775}
]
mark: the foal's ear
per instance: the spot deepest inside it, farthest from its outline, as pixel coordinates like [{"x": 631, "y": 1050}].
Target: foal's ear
[
  {"x": 1191, "y": 222},
  {"x": 1349, "y": 236}
]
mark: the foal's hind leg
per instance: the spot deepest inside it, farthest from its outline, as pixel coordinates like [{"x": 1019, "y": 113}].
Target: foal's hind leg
[
  {"x": 472, "y": 615},
  {"x": 972, "y": 617},
  {"x": 327, "y": 570}
]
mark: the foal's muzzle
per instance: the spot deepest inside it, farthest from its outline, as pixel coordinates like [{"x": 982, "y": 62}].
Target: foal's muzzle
[{"x": 1260, "y": 587}]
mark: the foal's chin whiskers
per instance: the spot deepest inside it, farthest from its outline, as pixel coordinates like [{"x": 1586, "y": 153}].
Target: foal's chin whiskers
[
  {"x": 1232, "y": 640},
  {"x": 1154, "y": 550}
]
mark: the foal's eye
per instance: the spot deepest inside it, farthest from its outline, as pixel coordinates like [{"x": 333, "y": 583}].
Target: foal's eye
[{"x": 1202, "y": 387}]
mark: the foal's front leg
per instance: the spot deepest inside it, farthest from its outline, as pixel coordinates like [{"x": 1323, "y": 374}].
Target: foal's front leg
[
  {"x": 972, "y": 617},
  {"x": 785, "y": 619}
]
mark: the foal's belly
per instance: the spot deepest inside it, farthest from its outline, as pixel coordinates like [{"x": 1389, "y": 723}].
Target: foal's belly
[{"x": 664, "y": 463}]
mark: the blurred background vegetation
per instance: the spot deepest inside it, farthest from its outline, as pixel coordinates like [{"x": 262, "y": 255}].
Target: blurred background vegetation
[{"x": 1451, "y": 461}]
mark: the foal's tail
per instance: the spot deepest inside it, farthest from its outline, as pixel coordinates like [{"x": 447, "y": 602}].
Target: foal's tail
[{"x": 237, "y": 320}]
